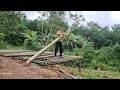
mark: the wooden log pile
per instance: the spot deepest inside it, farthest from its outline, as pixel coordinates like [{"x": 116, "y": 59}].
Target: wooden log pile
[
  {"x": 65, "y": 74},
  {"x": 47, "y": 58}
]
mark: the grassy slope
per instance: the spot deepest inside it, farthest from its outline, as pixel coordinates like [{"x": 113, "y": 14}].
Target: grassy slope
[{"x": 95, "y": 74}]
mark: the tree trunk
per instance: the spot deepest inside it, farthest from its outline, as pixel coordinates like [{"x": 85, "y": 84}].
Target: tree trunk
[
  {"x": 45, "y": 48},
  {"x": 42, "y": 27}
]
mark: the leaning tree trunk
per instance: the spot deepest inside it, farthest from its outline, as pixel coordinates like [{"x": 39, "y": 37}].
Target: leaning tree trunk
[{"x": 45, "y": 48}]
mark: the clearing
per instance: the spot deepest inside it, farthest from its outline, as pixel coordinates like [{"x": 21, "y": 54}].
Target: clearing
[{"x": 15, "y": 69}]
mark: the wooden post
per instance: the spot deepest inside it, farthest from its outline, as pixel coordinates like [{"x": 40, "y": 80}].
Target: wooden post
[
  {"x": 45, "y": 48},
  {"x": 80, "y": 64}
]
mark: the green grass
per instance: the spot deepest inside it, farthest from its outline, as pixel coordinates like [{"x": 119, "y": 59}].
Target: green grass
[
  {"x": 6, "y": 46},
  {"x": 95, "y": 74},
  {"x": 10, "y": 47}
]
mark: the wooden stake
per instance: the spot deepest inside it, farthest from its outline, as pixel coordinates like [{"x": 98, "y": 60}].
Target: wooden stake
[{"x": 80, "y": 64}]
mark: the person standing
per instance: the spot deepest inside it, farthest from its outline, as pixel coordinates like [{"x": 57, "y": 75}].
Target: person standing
[{"x": 59, "y": 42}]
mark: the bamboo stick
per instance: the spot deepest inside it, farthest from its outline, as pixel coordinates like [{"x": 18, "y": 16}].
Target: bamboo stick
[
  {"x": 71, "y": 76},
  {"x": 61, "y": 74}
]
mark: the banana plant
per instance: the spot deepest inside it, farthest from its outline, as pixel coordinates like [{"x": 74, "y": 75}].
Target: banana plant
[
  {"x": 2, "y": 35},
  {"x": 72, "y": 41},
  {"x": 31, "y": 36}
]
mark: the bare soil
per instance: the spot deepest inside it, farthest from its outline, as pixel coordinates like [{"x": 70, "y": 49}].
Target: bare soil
[{"x": 15, "y": 69}]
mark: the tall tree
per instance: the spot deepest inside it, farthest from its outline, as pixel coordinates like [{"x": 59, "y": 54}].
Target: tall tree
[{"x": 11, "y": 25}]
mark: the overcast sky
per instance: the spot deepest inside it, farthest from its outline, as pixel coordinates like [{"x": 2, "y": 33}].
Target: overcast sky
[{"x": 101, "y": 17}]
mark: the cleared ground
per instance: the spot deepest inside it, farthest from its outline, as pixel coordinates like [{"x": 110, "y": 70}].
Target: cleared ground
[{"x": 15, "y": 69}]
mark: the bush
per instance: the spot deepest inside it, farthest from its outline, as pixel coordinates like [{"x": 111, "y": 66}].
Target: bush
[
  {"x": 116, "y": 51},
  {"x": 14, "y": 38},
  {"x": 89, "y": 54},
  {"x": 2, "y": 45},
  {"x": 109, "y": 55},
  {"x": 31, "y": 45},
  {"x": 77, "y": 52},
  {"x": 88, "y": 57},
  {"x": 72, "y": 64},
  {"x": 106, "y": 58}
]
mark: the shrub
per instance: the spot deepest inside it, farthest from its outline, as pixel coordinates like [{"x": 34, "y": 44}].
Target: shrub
[
  {"x": 32, "y": 45},
  {"x": 2, "y": 45}
]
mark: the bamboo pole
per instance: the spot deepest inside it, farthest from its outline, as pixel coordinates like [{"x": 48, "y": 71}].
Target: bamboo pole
[
  {"x": 69, "y": 75},
  {"x": 62, "y": 75},
  {"x": 45, "y": 48}
]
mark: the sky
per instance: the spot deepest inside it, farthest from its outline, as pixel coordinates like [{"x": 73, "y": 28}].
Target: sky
[{"x": 103, "y": 18}]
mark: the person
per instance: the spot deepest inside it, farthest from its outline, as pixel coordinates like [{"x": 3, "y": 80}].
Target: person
[{"x": 59, "y": 42}]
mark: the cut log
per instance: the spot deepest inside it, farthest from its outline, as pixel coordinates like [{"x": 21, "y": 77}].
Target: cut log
[
  {"x": 13, "y": 51},
  {"x": 40, "y": 57},
  {"x": 20, "y": 54},
  {"x": 45, "y": 48},
  {"x": 25, "y": 54}
]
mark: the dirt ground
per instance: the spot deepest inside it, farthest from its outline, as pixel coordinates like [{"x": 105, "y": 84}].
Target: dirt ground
[{"x": 15, "y": 69}]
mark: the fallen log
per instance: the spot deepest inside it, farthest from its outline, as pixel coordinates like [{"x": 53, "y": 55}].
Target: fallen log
[{"x": 45, "y": 48}]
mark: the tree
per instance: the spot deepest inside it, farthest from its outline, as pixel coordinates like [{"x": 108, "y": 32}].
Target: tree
[
  {"x": 71, "y": 41},
  {"x": 49, "y": 23},
  {"x": 76, "y": 18},
  {"x": 116, "y": 32},
  {"x": 11, "y": 25}
]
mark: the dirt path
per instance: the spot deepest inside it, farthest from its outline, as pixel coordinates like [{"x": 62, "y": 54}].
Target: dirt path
[{"x": 15, "y": 69}]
